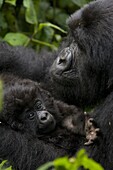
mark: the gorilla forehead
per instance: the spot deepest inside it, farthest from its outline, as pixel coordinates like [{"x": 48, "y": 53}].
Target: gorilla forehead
[
  {"x": 93, "y": 24},
  {"x": 20, "y": 94}
]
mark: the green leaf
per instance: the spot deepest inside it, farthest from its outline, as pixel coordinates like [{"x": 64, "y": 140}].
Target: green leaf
[
  {"x": 1, "y": 2},
  {"x": 3, "y": 23},
  {"x": 46, "y": 34},
  {"x": 62, "y": 163},
  {"x": 88, "y": 163},
  {"x": 46, "y": 166},
  {"x": 16, "y": 39},
  {"x": 30, "y": 14},
  {"x": 74, "y": 163},
  {"x": 58, "y": 37},
  {"x": 66, "y": 163},
  {"x": 12, "y": 2},
  {"x": 2, "y": 166},
  {"x": 61, "y": 19},
  {"x": 80, "y": 3},
  {"x": 50, "y": 25},
  {"x": 44, "y": 43}
]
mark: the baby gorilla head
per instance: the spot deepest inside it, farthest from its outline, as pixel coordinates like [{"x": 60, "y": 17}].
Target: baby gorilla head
[
  {"x": 25, "y": 106},
  {"x": 36, "y": 119}
]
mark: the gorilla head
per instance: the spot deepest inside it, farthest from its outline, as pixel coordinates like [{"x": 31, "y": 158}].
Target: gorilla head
[
  {"x": 83, "y": 71},
  {"x": 35, "y": 128},
  {"x": 25, "y": 106}
]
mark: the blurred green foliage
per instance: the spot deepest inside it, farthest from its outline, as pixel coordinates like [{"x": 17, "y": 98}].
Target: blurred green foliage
[
  {"x": 65, "y": 163},
  {"x": 3, "y": 166},
  {"x": 36, "y": 23}
]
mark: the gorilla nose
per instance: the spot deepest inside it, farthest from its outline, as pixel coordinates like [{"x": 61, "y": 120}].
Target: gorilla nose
[
  {"x": 64, "y": 59},
  {"x": 47, "y": 123},
  {"x": 61, "y": 59},
  {"x": 44, "y": 117}
]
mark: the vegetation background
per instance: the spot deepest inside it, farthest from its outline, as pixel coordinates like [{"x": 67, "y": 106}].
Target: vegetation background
[{"x": 36, "y": 23}]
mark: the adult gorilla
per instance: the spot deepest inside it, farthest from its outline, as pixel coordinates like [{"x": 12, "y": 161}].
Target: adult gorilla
[{"x": 82, "y": 73}]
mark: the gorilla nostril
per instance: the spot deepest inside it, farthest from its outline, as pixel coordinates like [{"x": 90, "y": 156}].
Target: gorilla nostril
[
  {"x": 47, "y": 123},
  {"x": 65, "y": 57},
  {"x": 44, "y": 116},
  {"x": 62, "y": 59}
]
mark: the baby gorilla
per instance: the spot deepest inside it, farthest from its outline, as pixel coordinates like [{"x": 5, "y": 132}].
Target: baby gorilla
[{"x": 34, "y": 127}]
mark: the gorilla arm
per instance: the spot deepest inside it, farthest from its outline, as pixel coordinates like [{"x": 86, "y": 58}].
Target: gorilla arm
[
  {"x": 21, "y": 149},
  {"x": 24, "y": 62}
]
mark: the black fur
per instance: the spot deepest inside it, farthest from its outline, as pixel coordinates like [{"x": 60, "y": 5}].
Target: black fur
[
  {"x": 34, "y": 127},
  {"x": 101, "y": 150}
]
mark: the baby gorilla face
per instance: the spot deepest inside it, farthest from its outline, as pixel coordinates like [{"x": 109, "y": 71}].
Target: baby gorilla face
[
  {"x": 26, "y": 106},
  {"x": 37, "y": 119}
]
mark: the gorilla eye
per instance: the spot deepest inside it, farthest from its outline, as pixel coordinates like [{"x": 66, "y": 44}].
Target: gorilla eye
[
  {"x": 31, "y": 115},
  {"x": 38, "y": 105}
]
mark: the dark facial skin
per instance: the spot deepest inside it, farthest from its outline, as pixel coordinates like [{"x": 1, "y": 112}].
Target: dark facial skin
[{"x": 37, "y": 119}]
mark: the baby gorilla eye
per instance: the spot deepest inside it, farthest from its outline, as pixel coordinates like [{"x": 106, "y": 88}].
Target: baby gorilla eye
[
  {"x": 38, "y": 105},
  {"x": 31, "y": 115}
]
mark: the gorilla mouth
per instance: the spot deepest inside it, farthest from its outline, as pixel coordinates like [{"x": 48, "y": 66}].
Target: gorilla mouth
[
  {"x": 62, "y": 65},
  {"x": 64, "y": 79},
  {"x": 64, "y": 60}
]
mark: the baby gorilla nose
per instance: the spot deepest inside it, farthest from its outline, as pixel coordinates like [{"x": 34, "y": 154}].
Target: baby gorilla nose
[
  {"x": 46, "y": 122},
  {"x": 44, "y": 117}
]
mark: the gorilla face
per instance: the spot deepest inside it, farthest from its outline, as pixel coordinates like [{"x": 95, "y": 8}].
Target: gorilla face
[
  {"x": 81, "y": 68},
  {"x": 37, "y": 119},
  {"x": 64, "y": 68},
  {"x": 27, "y": 107}
]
